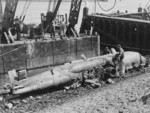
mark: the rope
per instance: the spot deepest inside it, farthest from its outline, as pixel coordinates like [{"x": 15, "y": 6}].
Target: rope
[
  {"x": 106, "y": 10},
  {"x": 12, "y": 50}
]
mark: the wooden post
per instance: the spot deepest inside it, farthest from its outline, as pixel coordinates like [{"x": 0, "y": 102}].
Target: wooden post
[{"x": 98, "y": 45}]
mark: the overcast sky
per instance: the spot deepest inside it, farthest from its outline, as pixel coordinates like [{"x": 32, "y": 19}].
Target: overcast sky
[{"x": 62, "y": 0}]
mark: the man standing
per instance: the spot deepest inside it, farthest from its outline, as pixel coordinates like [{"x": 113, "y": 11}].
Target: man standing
[
  {"x": 17, "y": 24},
  {"x": 52, "y": 29}
]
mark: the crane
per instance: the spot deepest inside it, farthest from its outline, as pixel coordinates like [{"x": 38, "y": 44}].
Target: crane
[
  {"x": 9, "y": 13},
  {"x": 50, "y": 16},
  {"x": 1, "y": 13},
  {"x": 11, "y": 6},
  {"x": 73, "y": 18},
  {"x": 8, "y": 18}
]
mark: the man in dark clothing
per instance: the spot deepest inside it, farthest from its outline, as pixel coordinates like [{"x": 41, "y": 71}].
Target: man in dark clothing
[
  {"x": 106, "y": 51},
  {"x": 17, "y": 24},
  {"x": 52, "y": 29}
]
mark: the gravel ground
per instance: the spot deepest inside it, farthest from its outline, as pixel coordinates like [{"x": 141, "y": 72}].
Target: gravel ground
[{"x": 130, "y": 95}]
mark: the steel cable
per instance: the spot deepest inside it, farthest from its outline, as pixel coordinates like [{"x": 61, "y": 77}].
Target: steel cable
[
  {"x": 12, "y": 50},
  {"x": 26, "y": 10},
  {"x": 49, "y": 5},
  {"x": 106, "y": 10},
  {"x": 23, "y": 9}
]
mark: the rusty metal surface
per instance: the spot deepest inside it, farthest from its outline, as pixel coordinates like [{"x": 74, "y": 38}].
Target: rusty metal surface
[{"x": 130, "y": 33}]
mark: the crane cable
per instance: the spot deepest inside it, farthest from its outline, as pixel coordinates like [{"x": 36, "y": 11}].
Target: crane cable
[
  {"x": 49, "y": 5},
  {"x": 23, "y": 9},
  {"x": 106, "y": 10},
  {"x": 146, "y": 5},
  {"x": 28, "y": 2},
  {"x": 54, "y": 5}
]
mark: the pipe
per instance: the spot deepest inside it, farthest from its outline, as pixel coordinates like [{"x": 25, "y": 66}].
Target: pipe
[
  {"x": 133, "y": 59},
  {"x": 111, "y": 70},
  {"x": 85, "y": 65},
  {"x": 44, "y": 83},
  {"x": 68, "y": 72},
  {"x": 61, "y": 75},
  {"x": 113, "y": 51}
]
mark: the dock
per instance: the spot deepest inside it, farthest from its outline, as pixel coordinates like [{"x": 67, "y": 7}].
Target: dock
[{"x": 33, "y": 55}]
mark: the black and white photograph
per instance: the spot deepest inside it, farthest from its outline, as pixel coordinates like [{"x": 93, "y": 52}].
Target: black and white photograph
[{"x": 74, "y": 56}]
